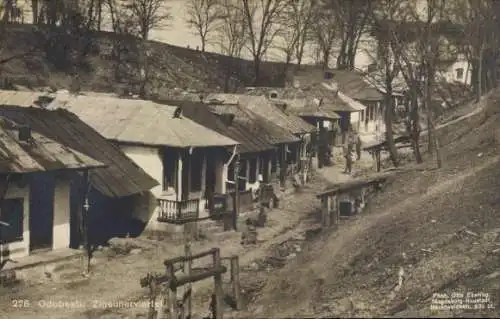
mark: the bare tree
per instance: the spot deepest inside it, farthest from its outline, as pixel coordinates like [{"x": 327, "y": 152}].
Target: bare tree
[
  {"x": 148, "y": 14},
  {"x": 477, "y": 39},
  {"x": 203, "y": 16},
  {"x": 386, "y": 12},
  {"x": 400, "y": 41},
  {"x": 262, "y": 20},
  {"x": 325, "y": 31},
  {"x": 419, "y": 56},
  {"x": 296, "y": 21},
  {"x": 231, "y": 33},
  {"x": 349, "y": 19}
]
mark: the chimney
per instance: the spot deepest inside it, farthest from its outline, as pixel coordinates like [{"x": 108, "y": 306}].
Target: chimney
[
  {"x": 24, "y": 133},
  {"x": 178, "y": 112}
]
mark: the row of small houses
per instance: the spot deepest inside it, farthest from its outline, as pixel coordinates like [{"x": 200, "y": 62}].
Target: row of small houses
[{"x": 127, "y": 163}]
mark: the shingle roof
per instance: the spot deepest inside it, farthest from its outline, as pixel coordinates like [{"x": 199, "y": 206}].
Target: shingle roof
[
  {"x": 331, "y": 100},
  {"x": 351, "y": 83},
  {"x": 250, "y": 140},
  {"x": 40, "y": 154},
  {"x": 256, "y": 123},
  {"x": 354, "y": 85},
  {"x": 141, "y": 122},
  {"x": 20, "y": 98},
  {"x": 263, "y": 107},
  {"x": 120, "y": 177}
]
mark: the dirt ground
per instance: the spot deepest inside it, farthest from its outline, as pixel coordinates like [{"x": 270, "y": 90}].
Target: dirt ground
[
  {"x": 435, "y": 229},
  {"x": 116, "y": 277},
  {"x": 429, "y": 231}
]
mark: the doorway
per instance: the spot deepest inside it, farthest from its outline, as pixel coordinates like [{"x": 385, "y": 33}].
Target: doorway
[
  {"x": 210, "y": 177},
  {"x": 41, "y": 211}
]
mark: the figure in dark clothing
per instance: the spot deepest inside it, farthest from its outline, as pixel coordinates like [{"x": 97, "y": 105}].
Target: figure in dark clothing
[
  {"x": 358, "y": 148},
  {"x": 348, "y": 159}
]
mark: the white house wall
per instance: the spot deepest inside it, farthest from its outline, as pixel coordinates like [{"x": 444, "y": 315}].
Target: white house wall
[
  {"x": 61, "y": 221},
  {"x": 61, "y": 232},
  {"x": 149, "y": 159}
]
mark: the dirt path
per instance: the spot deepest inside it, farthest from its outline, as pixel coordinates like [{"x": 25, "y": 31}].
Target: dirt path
[
  {"x": 118, "y": 279},
  {"x": 338, "y": 245}
]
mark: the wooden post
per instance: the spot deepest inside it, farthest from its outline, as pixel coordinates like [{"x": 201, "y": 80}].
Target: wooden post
[
  {"x": 328, "y": 220},
  {"x": 324, "y": 210},
  {"x": 172, "y": 291},
  {"x": 336, "y": 210},
  {"x": 236, "y": 202},
  {"x": 152, "y": 299},
  {"x": 235, "y": 281},
  {"x": 187, "y": 271},
  {"x": 219, "y": 293},
  {"x": 377, "y": 155}
]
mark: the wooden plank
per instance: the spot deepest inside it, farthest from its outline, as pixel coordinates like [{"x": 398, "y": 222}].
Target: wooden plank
[
  {"x": 235, "y": 281},
  {"x": 357, "y": 183},
  {"x": 174, "y": 260},
  {"x": 212, "y": 272}
]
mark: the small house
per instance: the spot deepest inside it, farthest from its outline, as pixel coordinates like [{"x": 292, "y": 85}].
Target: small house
[
  {"x": 176, "y": 151},
  {"x": 35, "y": 187},
  {"x": 113, "y": 193},
  {"x": 298, "y": 153},
  {"x": 254, "y": 151}
]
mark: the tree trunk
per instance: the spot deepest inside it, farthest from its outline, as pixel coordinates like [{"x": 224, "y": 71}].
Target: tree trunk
[
  {"x": 414, "y": 127},
  {"x": 388, "y": 114},
  {"x": 433, "y": 139},
  {"x": 203, "y": 43},
  {"x": 99, "y": 14},
  {"x": 256, "y": 69},
  {"x": 34, "y": 11},
  {"x": 479, "y": 88},
  {"x": 326, "y": 58},
  {"x": 341, "y": 63},
  {"x": 7, "y": 4}
]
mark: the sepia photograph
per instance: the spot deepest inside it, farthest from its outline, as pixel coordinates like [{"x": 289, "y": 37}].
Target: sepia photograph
[{"x": 216, "y": 159}]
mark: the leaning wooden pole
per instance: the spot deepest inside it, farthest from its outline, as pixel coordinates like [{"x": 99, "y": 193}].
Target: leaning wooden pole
[
  {"x": 187, "y": 272},
  {"x": 219, "y": 293},
  {"x": 236, "y": 203},
  {"x": 172, "y": 292}
]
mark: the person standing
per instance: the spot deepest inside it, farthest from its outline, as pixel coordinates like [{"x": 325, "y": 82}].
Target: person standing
[
  {"x": 358, "y": 147},
  {"x": 348, "y": 159}
]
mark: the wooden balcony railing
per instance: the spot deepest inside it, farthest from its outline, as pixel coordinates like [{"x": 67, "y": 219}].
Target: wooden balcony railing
[{"x": 178, "y": 212}]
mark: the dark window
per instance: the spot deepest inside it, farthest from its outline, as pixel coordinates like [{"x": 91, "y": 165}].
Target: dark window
[
  {"x": 253, "y": 170},
  {"x": 243, "y": 175},
  {"x": 274, "y": 164},
  {"x": 196, "y": 169},
  {"x": 12, "y": 211},
  {"x": 372, "y": 67},
  {"x": 169, "y": 169},
  {"x": 460, "y": 73}
]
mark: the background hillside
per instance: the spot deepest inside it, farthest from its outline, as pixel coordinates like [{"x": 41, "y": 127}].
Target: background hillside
[{"x": 112, "y": 62}]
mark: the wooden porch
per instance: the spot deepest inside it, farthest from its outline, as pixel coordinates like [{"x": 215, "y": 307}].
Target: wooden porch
[{"x": 191, "y": 177}]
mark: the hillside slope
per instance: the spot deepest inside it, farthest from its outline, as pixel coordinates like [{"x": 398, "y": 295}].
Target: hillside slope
[
  {"x": 112, "y": 62},
  {"x": 439, "y": 228}
]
